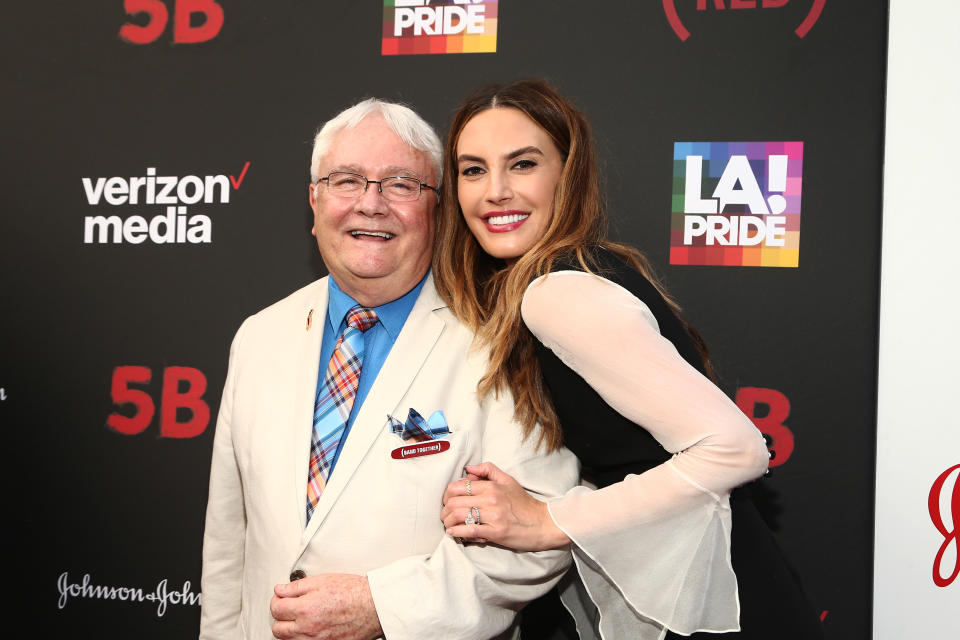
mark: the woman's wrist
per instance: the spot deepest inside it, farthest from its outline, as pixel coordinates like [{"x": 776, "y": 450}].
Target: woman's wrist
[{"x": 553, "y": 536}]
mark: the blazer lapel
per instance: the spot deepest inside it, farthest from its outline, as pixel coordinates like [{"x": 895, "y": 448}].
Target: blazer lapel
[
  {"x": 420, "y": 333},
  {"x": 308, "y": 372}
]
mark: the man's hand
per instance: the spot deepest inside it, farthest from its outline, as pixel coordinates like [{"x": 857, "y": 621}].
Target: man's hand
[{"x": 330, "y": 606}]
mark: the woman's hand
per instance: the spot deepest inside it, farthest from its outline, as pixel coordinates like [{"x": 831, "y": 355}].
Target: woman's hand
[{"x": 509, "y": 516}]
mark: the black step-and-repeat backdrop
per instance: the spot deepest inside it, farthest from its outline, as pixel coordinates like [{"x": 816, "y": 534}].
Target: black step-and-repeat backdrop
[{"x": 155, "y": 158}]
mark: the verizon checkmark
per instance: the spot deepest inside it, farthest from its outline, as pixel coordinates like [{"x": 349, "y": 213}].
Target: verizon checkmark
[{"x": 236, "y": 181}]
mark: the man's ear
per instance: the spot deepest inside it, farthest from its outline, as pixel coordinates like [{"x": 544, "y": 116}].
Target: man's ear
[{"x": 312, "y": 199}]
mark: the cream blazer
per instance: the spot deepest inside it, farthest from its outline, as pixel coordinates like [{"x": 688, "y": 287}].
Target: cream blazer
[{"x": 378, "y": 516}]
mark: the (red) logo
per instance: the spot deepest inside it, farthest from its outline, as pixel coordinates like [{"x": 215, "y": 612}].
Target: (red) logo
[
  {"x": 949, "y": 535},
  {"x": 669, "y": 7}
]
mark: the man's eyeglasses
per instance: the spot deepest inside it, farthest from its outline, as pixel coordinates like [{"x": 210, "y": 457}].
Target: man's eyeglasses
[{"x": 394, "y": 188}]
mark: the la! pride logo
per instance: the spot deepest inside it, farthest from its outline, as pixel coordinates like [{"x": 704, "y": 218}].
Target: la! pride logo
[
  {"x": 736, "y": 203},
  {"x": 439, "y": 26}
]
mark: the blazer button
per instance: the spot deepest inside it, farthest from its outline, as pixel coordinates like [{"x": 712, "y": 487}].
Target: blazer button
[{"x": 297, "y": 575}]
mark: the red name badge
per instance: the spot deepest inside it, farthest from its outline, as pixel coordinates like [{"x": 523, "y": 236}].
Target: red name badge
[{"x": 427, "y": 448}]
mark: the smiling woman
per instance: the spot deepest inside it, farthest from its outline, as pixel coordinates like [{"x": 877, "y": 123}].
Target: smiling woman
[{"x": 594, "y": 350}]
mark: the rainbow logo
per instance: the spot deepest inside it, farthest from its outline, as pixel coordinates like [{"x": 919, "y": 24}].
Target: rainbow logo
[
  {"x": 736, "y": 204},
  {"x": 430, "y": 26}
]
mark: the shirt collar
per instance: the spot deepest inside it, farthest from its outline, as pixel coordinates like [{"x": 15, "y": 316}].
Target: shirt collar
[{"x": 391, "y": 315}]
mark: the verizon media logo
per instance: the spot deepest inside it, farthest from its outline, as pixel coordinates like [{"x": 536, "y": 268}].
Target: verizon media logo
[
  {"x": 166, "y": 200},
  {"x": 162, "y": 595}
]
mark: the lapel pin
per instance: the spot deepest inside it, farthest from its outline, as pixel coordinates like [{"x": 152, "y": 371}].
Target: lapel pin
[{"x": 309, "y": 319}]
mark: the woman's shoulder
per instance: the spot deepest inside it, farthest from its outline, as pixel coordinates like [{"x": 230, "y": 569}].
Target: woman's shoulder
[
  {"x": 609, "y": 265},
  {"x": 552, "y": 304},
  {"x": 597, "y": 258}
]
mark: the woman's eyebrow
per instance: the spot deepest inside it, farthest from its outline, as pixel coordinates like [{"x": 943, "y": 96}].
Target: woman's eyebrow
[
  {"x": 520, "y": 152},
  {"x": 509, "y": 156}
]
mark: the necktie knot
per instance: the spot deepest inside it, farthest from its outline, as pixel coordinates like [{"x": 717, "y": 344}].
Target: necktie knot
[{"x": 361, "y": 318}]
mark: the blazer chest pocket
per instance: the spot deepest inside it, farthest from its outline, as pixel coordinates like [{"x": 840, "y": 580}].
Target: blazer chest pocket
[
  {"x": 427, "y": 476},
  {"x": 431, "y": 463}
]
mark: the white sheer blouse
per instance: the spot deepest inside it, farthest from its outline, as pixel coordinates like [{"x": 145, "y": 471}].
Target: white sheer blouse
[{"x": 653, "y": 551}]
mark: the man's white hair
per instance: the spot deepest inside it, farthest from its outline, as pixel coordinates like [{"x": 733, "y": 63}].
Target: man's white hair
[{"x": 402, "y": 120}]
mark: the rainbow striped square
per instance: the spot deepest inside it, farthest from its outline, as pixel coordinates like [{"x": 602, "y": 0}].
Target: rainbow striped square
[{"x": 413, "y": 27}]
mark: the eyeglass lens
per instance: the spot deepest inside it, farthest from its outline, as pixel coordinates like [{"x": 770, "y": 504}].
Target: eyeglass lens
[{"x": 393, "y": 188}]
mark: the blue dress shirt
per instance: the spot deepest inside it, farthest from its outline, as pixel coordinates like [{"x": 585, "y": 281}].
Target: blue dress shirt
[{"x": 377, "y": 341}]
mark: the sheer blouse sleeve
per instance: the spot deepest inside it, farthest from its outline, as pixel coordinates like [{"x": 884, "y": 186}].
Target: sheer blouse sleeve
[{"x": 653, "y": 550}]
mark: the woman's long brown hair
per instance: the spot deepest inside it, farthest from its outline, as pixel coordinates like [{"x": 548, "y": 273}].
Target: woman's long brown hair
[{"x": 484, "y": 292}]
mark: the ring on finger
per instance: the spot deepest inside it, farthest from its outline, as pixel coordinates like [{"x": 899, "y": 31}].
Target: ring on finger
[
  {"x": 475, "y": 514},
  {"x": 470, "y": 519},
  {"x": 469, "y": 492}
]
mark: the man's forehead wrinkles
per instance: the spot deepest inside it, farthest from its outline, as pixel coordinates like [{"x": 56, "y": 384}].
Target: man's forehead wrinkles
[
  {"x": 355, "y": 168},
  {"x": 373, "y": 171}
]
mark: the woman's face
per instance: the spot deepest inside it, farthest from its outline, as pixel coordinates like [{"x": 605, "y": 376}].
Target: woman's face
[{"x": 507, "y": 172}]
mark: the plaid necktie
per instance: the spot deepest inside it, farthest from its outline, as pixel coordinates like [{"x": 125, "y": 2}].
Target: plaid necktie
[{"x": 335, "y": 400}]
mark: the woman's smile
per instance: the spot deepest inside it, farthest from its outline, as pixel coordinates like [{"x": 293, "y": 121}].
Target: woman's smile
[{"x": 505, "y": 221}]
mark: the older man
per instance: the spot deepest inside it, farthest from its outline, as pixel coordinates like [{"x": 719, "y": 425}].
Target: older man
[{"x": 323, "y": 518}]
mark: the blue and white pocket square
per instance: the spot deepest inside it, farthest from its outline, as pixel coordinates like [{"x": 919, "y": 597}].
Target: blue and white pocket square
[{"x": 418, "y": 429}]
